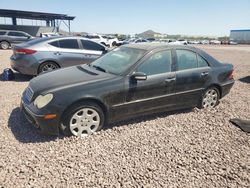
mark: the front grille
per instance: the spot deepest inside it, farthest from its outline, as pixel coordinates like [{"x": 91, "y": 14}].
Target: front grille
[{"x": 28, "y": 94}]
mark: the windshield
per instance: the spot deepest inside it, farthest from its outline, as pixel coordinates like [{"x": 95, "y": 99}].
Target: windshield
[{"x": 118, "y": 60}]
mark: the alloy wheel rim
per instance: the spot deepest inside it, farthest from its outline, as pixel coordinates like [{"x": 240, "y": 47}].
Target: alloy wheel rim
[
  {"x": 4, "y": 45},
  {"x": 49, "y": 67},
  {"x": 210, "y": 99},
  {"x": 84, "y": 122}
]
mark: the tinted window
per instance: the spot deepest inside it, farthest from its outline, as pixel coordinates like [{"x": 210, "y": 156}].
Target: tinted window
[
  {"x": 17, "y": 34},
  {"x": 69, "y": 43},
  {"x": 201, "y": 61},
  {"x": 90, "y": 45},
  {"x": 2, "y": 32},
  {"x": 158, "y": 63},
  {"x": 54, "y": 43},
  {"x": 186, "y": 59}
]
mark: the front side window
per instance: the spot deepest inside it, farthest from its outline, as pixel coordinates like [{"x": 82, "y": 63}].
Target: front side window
[
  {"x": 186, "y": 59},
  {"x": 69, "y": 43},
  {"x": 158, "y": 63},
  {"x": 119, "y": 60},
  {"x": 90, "y": 45}
]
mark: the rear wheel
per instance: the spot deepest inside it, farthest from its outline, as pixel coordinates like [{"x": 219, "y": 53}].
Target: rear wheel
[
  {"x": 83, "y": 120},
  {"x": 4, "y": 45},
  {"x": 47, "y": 66},
  {"x": 210, "y": 98}
]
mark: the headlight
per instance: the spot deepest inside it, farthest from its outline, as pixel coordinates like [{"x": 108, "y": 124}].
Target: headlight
[{"x": 41, "y": 101}]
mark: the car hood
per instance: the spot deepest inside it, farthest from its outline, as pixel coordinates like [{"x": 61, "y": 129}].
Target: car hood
[{"x": 67, "y": 77}]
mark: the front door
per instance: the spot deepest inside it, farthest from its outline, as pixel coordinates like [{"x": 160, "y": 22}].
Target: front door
[{"x": 157, "y": 91}]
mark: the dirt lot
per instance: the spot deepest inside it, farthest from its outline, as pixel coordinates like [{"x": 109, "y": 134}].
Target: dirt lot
[{"x": 194, "y": 148}]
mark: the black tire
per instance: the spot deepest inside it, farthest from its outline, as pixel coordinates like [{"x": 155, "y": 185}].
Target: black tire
[
  {"x": 213, "y": 100},
  {"x": 4, "y": 45},
  {"x": 43, "y": 66},
  {"x": 103, "y": 43},
  {"x": 114, "y": 43},
  {"x": 65, "y": 123}
]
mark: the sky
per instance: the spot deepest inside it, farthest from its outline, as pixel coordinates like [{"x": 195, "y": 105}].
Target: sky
[{"x": 186, "y": 17}]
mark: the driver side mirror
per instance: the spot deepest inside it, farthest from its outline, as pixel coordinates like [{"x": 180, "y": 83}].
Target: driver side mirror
[{"x": 139, "y": 76}]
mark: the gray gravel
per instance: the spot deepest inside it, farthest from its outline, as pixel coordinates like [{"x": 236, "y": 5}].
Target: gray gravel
[{"x": 192, "y": 148}]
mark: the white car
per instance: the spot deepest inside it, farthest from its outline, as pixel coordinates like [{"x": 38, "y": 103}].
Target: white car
[
  {"x": 215, "y": 42},
  {"x": 98, "y": 38},
  {"x": 178, "y": 42},
  {"x": 49, "y": 34},
  {"x": 114, "y": 41}
]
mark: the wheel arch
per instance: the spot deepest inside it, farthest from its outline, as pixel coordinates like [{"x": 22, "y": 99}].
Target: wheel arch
[
  {"x": 89, "y": 99},
  {"x": 45, "y": 61},
  {"x": 217, "y": 86}
]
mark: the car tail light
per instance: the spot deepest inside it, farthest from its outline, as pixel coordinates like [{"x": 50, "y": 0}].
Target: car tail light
[
  {"x": 231, "y": 75},
  {"x": 24, "y": 51}
]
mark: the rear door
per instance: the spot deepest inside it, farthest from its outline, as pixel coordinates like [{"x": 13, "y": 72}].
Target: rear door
[
  {"x": 67, "y": 52},
  {"x": 91, "y": 50},
  {"x": 193, "y": 73}
]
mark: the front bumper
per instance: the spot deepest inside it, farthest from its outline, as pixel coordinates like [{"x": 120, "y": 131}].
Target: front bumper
[{"x": 50, "y": 127}]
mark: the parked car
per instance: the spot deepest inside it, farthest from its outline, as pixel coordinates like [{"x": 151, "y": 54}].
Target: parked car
[
  {"x": 114, "y": 41},
  {"x": 134, "y": 40},
  {"x": 204, "y": 42},
  {"x": 231, "y": 42},
  {"x": 178, "y": 42},
  {"x": 49, "y": 34},
  {"x": 9, "y": 37},
  {"x": 46, "y": 54},
  {"x": 129, "y": 81},
  {"x": 102, "y": 39},
  {"x": 215, "y": 42}
]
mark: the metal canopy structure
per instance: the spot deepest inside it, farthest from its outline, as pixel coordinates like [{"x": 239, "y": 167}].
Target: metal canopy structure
[{"x": 52, "y": 19}]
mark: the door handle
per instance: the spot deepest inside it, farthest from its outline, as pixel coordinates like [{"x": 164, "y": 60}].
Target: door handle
[
  {"x": 204, "y": 73},
  {"x": 168, "y": 80},
  {"x": 57, "y": 53}
]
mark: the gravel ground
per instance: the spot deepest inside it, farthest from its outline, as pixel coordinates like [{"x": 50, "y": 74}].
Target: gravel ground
[{"x": 193, "y": 148}]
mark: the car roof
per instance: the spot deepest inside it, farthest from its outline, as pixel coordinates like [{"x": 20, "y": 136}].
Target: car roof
[{"x": 153, "y": 46}]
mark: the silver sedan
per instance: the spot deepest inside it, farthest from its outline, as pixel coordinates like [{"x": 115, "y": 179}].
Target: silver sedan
[{"x": 45, "y": 54}]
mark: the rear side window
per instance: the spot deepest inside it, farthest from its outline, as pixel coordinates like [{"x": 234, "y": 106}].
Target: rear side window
[
  {"x": 55, "y": 44},
  {"x": 201, "y": 61},
  {"x": 17, "y": 34},
  {"x": 69, "y": 43},
  {"x": 158, "y": 63},
  {"x": 186, "y": 59},
  {"x": 90, "y": 45},
  {"x": 2, "y": 32}
]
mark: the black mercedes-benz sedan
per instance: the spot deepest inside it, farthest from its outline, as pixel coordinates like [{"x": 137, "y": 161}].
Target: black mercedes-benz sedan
[{"x": 131, "y": 80}]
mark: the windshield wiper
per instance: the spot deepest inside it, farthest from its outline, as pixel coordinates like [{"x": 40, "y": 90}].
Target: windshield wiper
[{"x": 99, "y": 68}]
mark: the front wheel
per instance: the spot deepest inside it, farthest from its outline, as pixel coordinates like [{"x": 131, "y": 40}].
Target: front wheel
[
  {"x": 83, "y": 119},
  {"x": 210, "y": 98}
]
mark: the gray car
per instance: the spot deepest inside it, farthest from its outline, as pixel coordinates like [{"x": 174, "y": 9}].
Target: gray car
[
  {"x": 9, "y": 37},
  {"x": 45, "y": 54}
]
